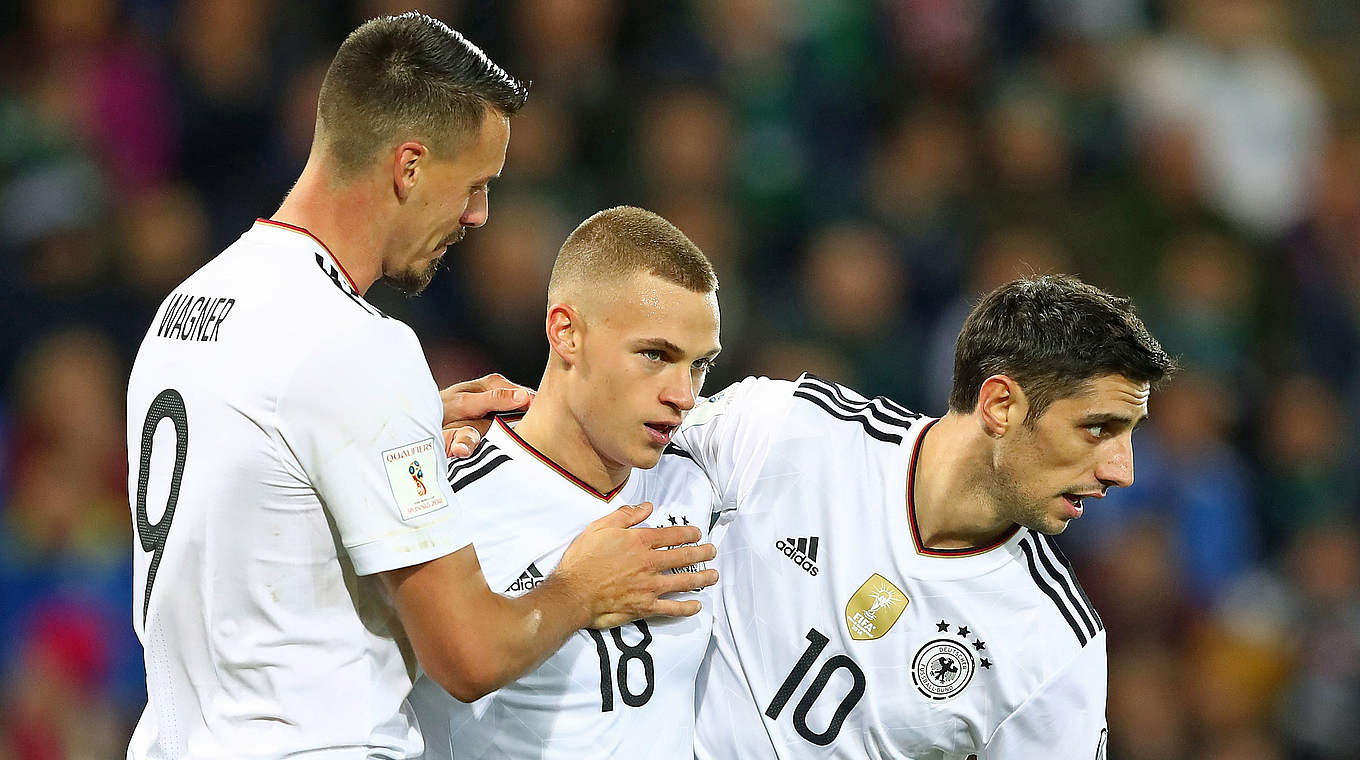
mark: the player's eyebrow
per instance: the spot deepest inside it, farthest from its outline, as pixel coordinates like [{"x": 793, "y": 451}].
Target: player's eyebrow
[
  {"x": 670, "y": 348},
  {"x": 660, "y": 343},
  {"x": 1109, "y": 418}
]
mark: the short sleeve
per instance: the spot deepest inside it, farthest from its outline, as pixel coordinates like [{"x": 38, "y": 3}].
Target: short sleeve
[
  {"x": 1064, "y": 717},
  {"x": 363, "y": 416},
  {"x": 728, "y": 434}
]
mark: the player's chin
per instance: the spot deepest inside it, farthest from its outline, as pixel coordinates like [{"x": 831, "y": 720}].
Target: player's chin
[
  {"x": 415, "y": 280},
  {"x": 1052, "y": 525},
  {"x": 647, "y": 457}
]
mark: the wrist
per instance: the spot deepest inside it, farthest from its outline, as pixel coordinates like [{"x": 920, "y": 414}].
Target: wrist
[{"x": 573, "y": 601}]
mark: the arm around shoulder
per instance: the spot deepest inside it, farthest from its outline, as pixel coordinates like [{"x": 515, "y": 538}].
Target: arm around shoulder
[{"x": 472, "y": 641}]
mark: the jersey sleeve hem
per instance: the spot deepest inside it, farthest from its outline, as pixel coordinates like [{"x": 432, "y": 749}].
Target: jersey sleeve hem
[{"x": 407, "y": 548}]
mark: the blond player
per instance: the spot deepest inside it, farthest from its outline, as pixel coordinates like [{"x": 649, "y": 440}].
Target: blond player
[{"x": 632, "y": 326}]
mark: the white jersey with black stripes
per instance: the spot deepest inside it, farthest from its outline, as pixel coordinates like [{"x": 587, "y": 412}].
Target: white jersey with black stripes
[
  {"x": 838, "y": 635},
  {"x": 624, "y": 692}
]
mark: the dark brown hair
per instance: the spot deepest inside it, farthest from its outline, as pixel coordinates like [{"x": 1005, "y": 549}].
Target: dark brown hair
[
  {"x": 1052, "y": 334},
  {"x": 408, "y": 77}
]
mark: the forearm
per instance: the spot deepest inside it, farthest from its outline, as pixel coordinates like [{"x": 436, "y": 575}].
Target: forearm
[
  {"x": 471, "y": 640},
  {"x": 517, "y": 635}
]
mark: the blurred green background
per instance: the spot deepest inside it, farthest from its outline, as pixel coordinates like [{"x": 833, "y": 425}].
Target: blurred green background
[{"x": 859, "y": 172}]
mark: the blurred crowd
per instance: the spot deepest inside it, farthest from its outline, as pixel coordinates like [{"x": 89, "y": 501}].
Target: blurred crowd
[{"x": 859, "y": 171}]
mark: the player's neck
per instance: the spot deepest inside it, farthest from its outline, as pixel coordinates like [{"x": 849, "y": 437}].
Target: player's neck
[
  {"x": 551, "y": 428},
  {"x": 953, "y": 506},
  {"x": 339, "y": 217}
]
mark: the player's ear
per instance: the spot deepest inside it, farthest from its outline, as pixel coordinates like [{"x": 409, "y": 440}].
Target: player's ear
[
  {"x": 408, "y": 166},
  {"x": 1001, "y": 405},
  {"x": 564, "y": 332}
]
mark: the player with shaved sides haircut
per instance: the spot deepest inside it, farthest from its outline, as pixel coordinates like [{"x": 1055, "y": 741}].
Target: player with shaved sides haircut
[
  {"x": 298, "y": 546},
  {"x": 632, "y": 327}
]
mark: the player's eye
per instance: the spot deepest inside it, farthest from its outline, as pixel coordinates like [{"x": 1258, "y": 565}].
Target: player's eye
[
  {"x": 704, "y": 365},
  {"x": 651, "y": 355},
  {"x": 1097, "y": 430}
]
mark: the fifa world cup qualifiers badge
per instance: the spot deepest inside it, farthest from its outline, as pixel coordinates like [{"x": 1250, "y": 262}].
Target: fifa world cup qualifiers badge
[
  {"x": 943, "y": 667},
  {"x": 874, "y": 608},
  {"x": 406, "y": 475}
]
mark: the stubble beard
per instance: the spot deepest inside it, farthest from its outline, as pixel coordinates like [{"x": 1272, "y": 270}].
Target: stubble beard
[
  {"x": 1015, "y": 505},
  {"x": 413, "y": 281}
]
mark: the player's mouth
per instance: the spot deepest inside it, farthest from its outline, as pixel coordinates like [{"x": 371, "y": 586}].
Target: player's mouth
[
  {"x": 660, "y": 432},
  {"x": 453, "y": 238},
  {"x": 1074, "y": 502}
]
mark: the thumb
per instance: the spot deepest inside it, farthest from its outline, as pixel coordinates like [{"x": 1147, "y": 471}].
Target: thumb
[{"x": 625, "y": 517}]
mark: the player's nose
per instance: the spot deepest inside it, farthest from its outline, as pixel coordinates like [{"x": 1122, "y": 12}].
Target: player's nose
[
  {"x": 477, "y": 211},
  {"x": 1116, "y": 470},
  {"x": 679, "y": 391}
]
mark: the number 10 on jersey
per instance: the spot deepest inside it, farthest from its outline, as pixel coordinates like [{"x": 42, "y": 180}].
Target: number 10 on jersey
[{"x": 817, "y": 642}]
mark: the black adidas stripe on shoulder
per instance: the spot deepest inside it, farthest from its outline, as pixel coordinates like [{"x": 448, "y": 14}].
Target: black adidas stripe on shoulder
[
  {"x": 479, "y": 473},
  {"x": 334, "y": 274},
  {"x": 1072, "y": 576},
  {"x": 881, "y": 407},
  {"x": 677, "y": 451},
  {"x": 1058, "y": 586},
  {"x": 484, "y": 459},
  {"x": 880, "y": 417},
  {"x": 484, "y": 449}
]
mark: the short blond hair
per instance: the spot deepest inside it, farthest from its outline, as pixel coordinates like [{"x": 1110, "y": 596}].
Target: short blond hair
[{"x": 623, "y": 240}]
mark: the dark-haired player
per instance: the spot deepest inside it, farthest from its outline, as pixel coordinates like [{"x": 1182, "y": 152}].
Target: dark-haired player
[{"x": 890, "y": 586}]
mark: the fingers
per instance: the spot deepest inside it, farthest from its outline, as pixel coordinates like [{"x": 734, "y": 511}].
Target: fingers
[
  {"x": 675, "y": 535},
  {"x": 473, "y": 406},
  {"x": 678, "y": 582},
  {"x": 655, "y": 608},
  {"x": 484, "y": 383},
  {"x": 459, "y": 442},
  {"x": 624, "y": 517},
  {"x": 474, "y": 399},
  {"x": 683, "y": 556},
  {"x": 675, "y": 607}
]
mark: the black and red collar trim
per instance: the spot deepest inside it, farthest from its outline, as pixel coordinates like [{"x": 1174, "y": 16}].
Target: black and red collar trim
[
  {"x": 324, "y": 247},
  {"x": 968, "y": 551},
  {"x": 540, "y": 456}
]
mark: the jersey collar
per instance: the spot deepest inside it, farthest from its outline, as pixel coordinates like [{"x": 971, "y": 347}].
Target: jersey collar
[
  {"x": 314, "y": 239},
  {"x": 922, "y": 549},
  {"x": 502, "y": 423}
]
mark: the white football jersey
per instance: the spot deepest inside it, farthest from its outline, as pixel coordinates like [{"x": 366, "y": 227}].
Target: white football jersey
[
  {"x": 838, "y": 635},
  {"x": 625, "y": 692},
  {"x": 283, "y": 442}
]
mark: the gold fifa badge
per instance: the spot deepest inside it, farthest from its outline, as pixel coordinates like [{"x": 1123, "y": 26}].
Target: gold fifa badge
[{"x": 874, "y": 608}]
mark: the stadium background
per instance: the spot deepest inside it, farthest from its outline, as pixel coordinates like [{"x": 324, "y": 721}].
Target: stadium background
[{"x": 859, "y": 172}]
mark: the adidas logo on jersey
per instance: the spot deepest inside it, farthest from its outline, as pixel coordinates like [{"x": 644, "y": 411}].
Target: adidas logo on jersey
[
  {"x": 527, "y": 580},
  {"x": 803, "y": 552}
]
